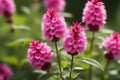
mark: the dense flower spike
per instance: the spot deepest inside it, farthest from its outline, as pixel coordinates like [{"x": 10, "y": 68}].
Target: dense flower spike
[
  {"x": 7, "y": 7},
  {"x": 39, "y": 55},
  {"x": 75, "y": 40},
  {"x": 53, "y": 25},
  {"x": 59, "y": 5},
  {"x": 112, "y": 44},
  {"x": 5, "y": 72},
  {"x": 94, "y": 15}
]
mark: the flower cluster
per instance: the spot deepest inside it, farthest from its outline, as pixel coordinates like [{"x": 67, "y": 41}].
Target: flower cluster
[
  {"x": 53, "y": 25},
  {"x": 112, "y": 44},
  {"x": 75, "y": 40},
  {"x": 39, "y": 55},
  {"x": 59, "y": 5},
  {"x": 5, "y": 72},
  {"x": 94, "y": 15},
  {"x": 7, "y": 8}
]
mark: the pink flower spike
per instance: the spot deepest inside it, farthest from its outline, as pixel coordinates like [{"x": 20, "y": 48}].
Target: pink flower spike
[
  {"x": 39, "y": 55},
  {"x": 53, "y": 25},
  {"x": 7, "y": 7},
  {"x": 5, "y": 72},
  {"x": 75, "y": 40},
  {"x": 59, "y": 5},
  {"x": 112, "y": 44},
  {"x": 94, "y": 15}
]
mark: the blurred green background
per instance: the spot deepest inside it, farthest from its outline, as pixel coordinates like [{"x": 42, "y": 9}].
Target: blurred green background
[{"x": 27, "y": 25}]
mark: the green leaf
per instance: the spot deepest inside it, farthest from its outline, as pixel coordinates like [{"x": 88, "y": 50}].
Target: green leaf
[
  {"x": 68, "y": 15},
  {"x": 26, "y": 10},
  {"x": 106, "y": 31},
  {"x": 19, "y": 41},
  {"x": 39, "y": 71},
  {"x": 67, "y": 78},
  {"x": 23, "y": 62},
  {"x": 22, "y": 27},
  {"x": 92, "y": 62},
  {"x": 11, "y": 60},
  {"x": 78, "y": 77},
  {"x": 47, "y": 76},
  {"x": 78, "y": 68},
  {"x": 63, "y": 64},
  {"x": 60, "y": 50}
]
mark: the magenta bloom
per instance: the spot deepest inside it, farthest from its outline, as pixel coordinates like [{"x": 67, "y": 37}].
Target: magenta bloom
[
  {"x": 112, "y": 44},
  {"x": 39, "y": 55},
  {"x": 7, "y": 7},
  {"x": 53, "y": 25},
  {"x": 5, "y": 72},
  {"x": 59, "y": 5},
  {"x": 94, "y": 15},
  {"x": 75, "y": 41}
]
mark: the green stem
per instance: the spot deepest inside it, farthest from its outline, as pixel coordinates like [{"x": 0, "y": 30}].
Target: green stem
[
  {"x": 58, "y": 57},
  {"x": 71, "y": 67},
  {"x": 92, "y": 42},
  {"x": 105, "y": 69},
  {"x": 91, "y": 49}
]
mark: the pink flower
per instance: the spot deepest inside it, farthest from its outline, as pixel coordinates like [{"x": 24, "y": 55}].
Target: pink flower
[
  {"x": 53, "y": 25},
  {"x": 39, "y": 55},
  {"x": 7, "y": 7},
  {"x": 5, "y": 72},
  {"x": 75, "y": 41},
  {"x": 94, "y": 15},
  {"x": 112, "y": 44},
  {"x": 59, "y": 5}
]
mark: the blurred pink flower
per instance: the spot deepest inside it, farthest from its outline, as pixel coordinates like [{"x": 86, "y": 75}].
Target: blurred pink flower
[
  {"x": 53, "y": 25},
  {"x": 75, "y": 40},
  {"x": 5, "y": 72},
  {"x": 112, "y": 44},
  {"x": 94, "y": 15},
  {"x": 59, "y": 5},
  {"x": 39, "y": 55},
  {"x": 7, "y": 7}
]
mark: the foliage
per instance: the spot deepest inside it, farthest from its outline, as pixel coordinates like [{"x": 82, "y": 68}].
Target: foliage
[{"x": 13, "y": 49}]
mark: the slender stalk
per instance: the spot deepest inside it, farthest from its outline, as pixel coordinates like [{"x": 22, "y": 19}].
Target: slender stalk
[
  {"x": 92, "y": 42},
  {"x": 71, "y": 67},
  {"x": 105, "y": 69},
  {"x": 58, "y": 57},
  {"x": 91, "y": 49},
  {"x": 90, "y": 72}
]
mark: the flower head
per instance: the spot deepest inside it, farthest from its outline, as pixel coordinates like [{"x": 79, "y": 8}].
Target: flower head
[
  {"x": 75, "y": 40},
  {"x": 94, "y": 15},
  {"x": 39, "y": 55},
  {"x": 5, "y": 72},
  {"x": 53, "y": 25},
  {"x": 112, "y": 44},
  {"x": 7, "y": 7},
  {"x": 59, "y": 5}
]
